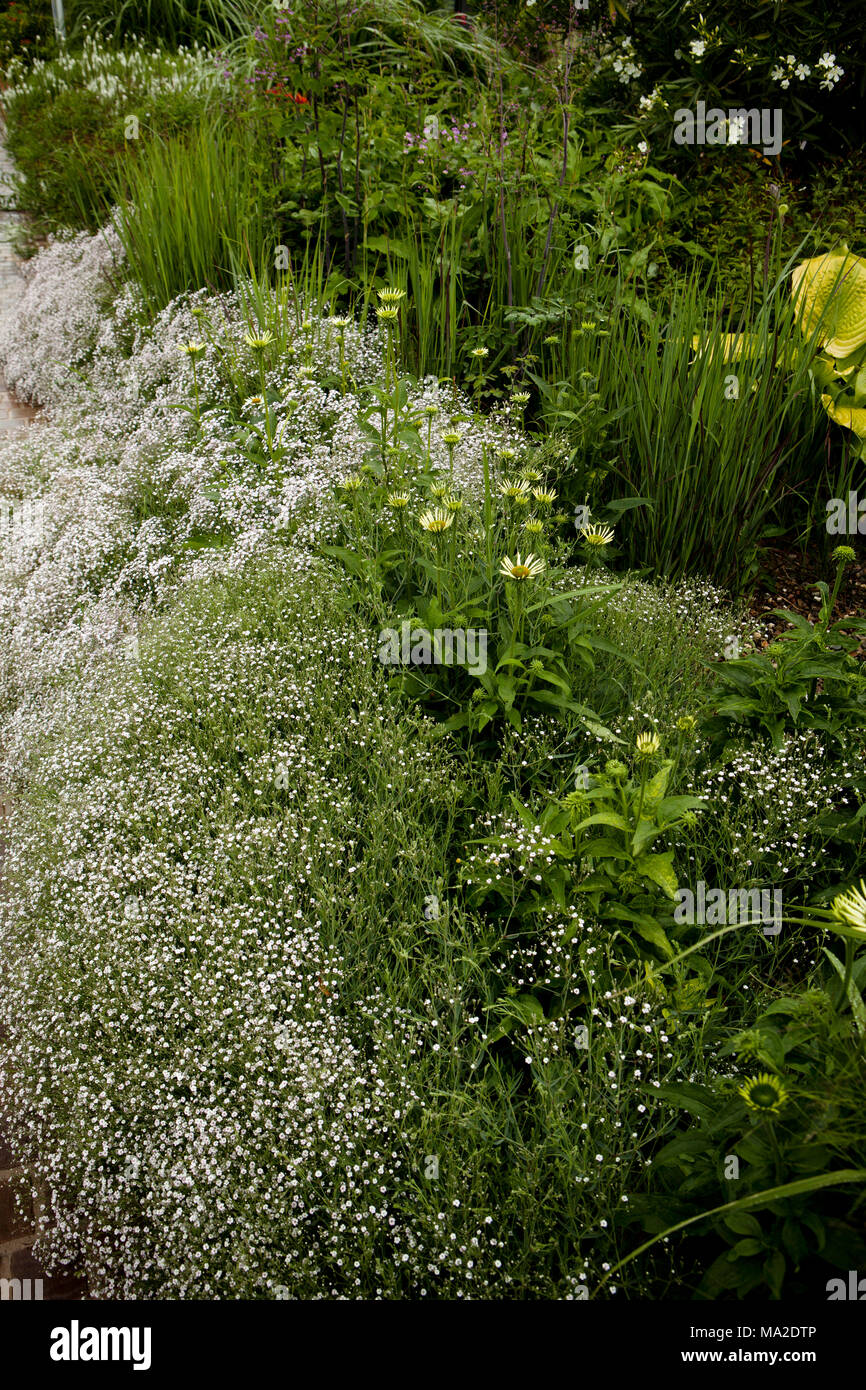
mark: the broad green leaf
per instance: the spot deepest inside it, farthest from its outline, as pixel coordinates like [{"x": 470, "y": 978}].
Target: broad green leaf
[
  {"x": 605, "y": 848},
  {"x": 646, "y": 832},
  {"x": 697, "y": 1100},
  {"x": 646, "y": 926},
  {"x": 658, "y": 785},
  {"x": 749, "y": 1246},
  {"x": 755, "y": 1199},
  {"x": 851, "y": 417},
  {"x": 672, "y": 807},
  {"x": 605, "y": 818},
  {"x": 743, "y": 1224},
  {"x": 659, "y": 869}
]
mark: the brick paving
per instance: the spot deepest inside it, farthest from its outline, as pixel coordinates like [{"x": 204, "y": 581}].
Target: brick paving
[{"x": 20, "y": 1212}]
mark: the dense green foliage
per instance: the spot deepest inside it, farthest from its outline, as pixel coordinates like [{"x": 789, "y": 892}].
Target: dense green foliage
[{"x": 394, "y": 970}]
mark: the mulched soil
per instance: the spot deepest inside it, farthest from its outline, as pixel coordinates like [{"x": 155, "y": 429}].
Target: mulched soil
[{"x": 788, "y": 579}]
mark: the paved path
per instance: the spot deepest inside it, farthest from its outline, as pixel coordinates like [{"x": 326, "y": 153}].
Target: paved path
[
  {"x": 19, "y": 1212},
  {"x": 13, "y": 415}
]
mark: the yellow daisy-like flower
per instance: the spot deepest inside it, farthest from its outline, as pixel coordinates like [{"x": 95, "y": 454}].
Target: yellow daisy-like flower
[
  {"x": 520, "y": 398},
  {"x": 647, "y": 744},
  {"x": 439, "y": 490},
  {"x": 596, "y": 536},
  {"x": 391, "y": 296},
  {"x": 529, "y": 568},
  {"x": 258, "y": 342},
  {"x": 480, "y": 352},
  {"x": 764, "y": 1094},
  {"x": 452, "y": 502},
  {"x": 534, "y": 527},
  {"x": 850, "y": 908},
  {"x": 387, "y": 313},
  {"x": 398, "y": 500},
  {"x": 352, "y": 483},
  {"x": 252, "y": 402},
  {"x": 435, "y": 521},
  {"x": 193, "y": 349},
  {"x": 514, "y": 488},
  {"x": 452, "y": 438},
  {"x": 532, "y": 475},
  {"x": 546, "y": 496}
]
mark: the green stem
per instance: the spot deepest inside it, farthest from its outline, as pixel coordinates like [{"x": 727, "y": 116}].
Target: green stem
[
  {"x": 439, "y": 573},
  {"x": 488, "y": 514},
  {"x": 642, "y": 790},
  {"x": 850, "y": 947},
  {"x": 831, "y": 602},
  {"x": 195, "y": 385},
  {"x": 267, "y": 407}
]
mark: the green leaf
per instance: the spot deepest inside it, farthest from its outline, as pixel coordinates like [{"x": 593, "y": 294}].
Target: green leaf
[
  {"x": 795, "y": 1242},
  {"x": 658, "y": 785},
  {"x": 506, "y": 689},
  {"x": 658, "y": 868},
  {"x": 646, "y": 832},
  {"x": 749, "y": 1246},
  {"x": 354, "y": 563},
  {"x": 672, "y": 807},
  {"x": 742, "y": 1223},
  {"x": 388, "y": 245},
  {"x": 605, "y": 818},
  {"x": 605, "y": 848},
  {"x": 761, "y": 1199},
  {"x": 855, "y": 999},
  {"x": 698, "y": 1100},
  {"x": 647, "y": 926},
  {"x": 774, "y": 1272}
]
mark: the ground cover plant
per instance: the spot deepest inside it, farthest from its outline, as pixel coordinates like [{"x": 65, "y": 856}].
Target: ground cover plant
[{"x": 426, "y": 877}]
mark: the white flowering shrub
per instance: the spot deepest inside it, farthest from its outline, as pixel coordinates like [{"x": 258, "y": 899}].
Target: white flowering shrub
[
  {"x": 257, "y": 1042},
  {"x": 802, "y": 60},
  {"x": 199, "y": 859},
  {"x": 52, "y": 336},
  {"x": 208, "y": 1123},
  {"x": 118, "y": 76}
]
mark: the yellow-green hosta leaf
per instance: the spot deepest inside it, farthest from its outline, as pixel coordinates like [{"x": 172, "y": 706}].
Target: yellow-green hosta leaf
[
  {"x": 830, "y": 294},
  {"x": 736, "y": 347},
  {"x": 844, "y": 366},
  {"x": 731, "y": 346},
  {"x": 853, "y": 417}
]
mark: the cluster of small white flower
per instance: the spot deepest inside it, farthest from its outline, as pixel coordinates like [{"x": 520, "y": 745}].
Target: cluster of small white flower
[
  {"x": 790, "y": 69},
  {"x": 198, "y": 1113},
  {"x": 831, "y": 72},
  {"x": 649, "y": 102},
  {"x": 621, "y": 59},
  {"x": 116, "y": 434},
  {"x": 118, "y": 76},
  {"x": 770, "y": 804}
]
